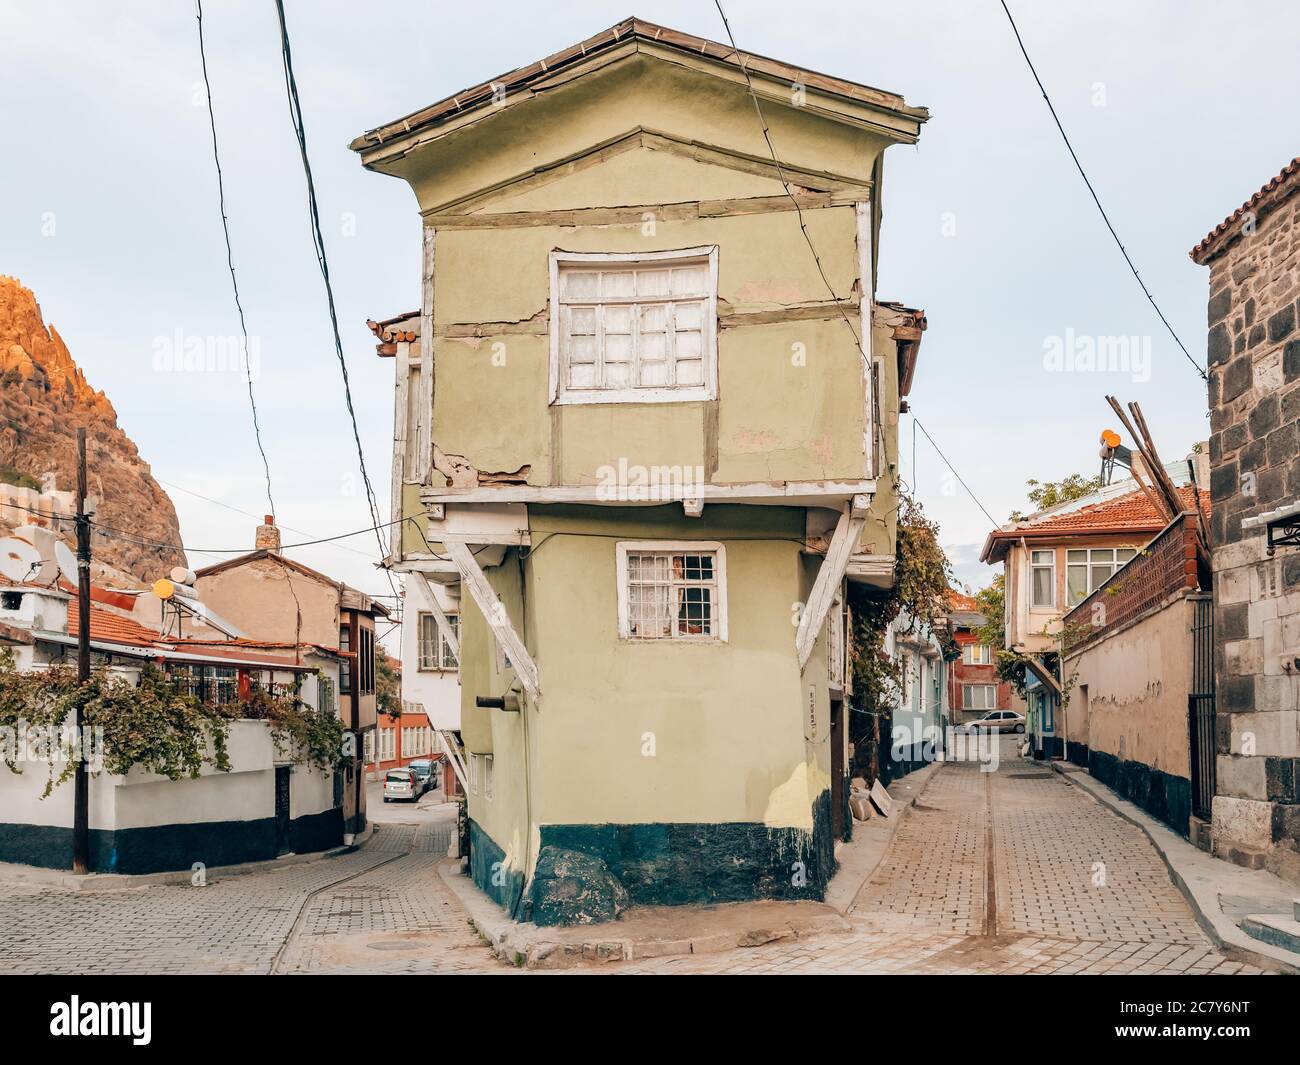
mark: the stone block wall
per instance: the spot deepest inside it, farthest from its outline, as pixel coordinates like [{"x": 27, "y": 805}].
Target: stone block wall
[{"x": 1254, "y": 395}]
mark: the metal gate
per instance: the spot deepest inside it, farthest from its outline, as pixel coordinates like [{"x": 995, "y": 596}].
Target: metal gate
[{"x": 1200, "y": 706}]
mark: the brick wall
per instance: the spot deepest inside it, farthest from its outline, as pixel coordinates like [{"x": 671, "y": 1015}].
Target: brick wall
[
  {"x": 1254, "y": 394},
  {"x": 1161, "y": 570}
]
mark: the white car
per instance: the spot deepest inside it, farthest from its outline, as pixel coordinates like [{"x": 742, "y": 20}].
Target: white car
[
  {"x": 401, "y": 784},
  {"x": 998, "y": 721}
]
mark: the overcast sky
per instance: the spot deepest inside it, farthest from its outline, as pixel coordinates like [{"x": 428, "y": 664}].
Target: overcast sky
[{"x": 108, "y": 211}]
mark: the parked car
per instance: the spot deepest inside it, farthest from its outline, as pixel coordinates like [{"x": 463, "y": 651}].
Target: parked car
[
  {"x": 401, "y": 784},
  {"x": 427, "y": 770},
  {"x": 998, "y": 721}
]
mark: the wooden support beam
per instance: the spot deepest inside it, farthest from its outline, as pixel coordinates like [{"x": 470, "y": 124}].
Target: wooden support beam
[
  {"x": 473, "y": 578},
  {"x": 452, "y": 750},
  {"x": 444, "y": 626},
  {"x": 848, "y": 531}
]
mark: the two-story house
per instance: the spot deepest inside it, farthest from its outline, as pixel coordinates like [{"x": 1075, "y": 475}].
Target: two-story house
[
  {"x": 1052, "y": 561},
  {"x": 273, "y": 598},
  {"x": 646, "y": 430},
  {"x": 974, "y": 688}
]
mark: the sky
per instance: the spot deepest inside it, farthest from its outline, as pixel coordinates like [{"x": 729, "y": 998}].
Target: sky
[{"x": 109, "y": 213}]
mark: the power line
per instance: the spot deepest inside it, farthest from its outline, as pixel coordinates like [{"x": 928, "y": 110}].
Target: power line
[
  {"x": 295, "y": 114},
  {"x": 1119, "y": 243},
  {"x": 917, "y": 422},
  {"x": 767, "y": 136},
  {"x": 230, "y": 256},
  {"x": 771, "y": 148},
  {"x": 250, "y": 514}
]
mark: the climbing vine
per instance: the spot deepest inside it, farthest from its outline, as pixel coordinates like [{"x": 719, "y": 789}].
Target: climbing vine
[
  {"x": 922, "y": 578},
  {"x": 152, "y": 723}
]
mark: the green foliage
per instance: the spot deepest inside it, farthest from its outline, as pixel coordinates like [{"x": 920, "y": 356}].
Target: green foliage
[
  {"x": 388, "y": 686},
  {"x": 991, "y": 602},
  {"x": 922, "y": 577},
  {"x": 1045, "y": 494},
  {"x": 9, "y": 475},
  {"x": 156, "y": 725}
]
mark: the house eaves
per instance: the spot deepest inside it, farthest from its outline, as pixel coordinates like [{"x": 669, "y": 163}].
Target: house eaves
[
  {"x": 849, "y": 101},
  {"x": 1265, "y": 201}
]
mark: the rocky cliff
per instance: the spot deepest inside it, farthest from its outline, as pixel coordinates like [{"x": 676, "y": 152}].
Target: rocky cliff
[{"x": 44, "y": 399}]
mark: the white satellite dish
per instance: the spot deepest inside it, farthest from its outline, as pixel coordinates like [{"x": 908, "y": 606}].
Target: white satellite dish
[
  {"x": 66, "y": 560},
  {"x": 19, "y": 560}
]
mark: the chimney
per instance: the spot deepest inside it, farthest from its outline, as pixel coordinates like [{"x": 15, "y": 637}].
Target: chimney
[{"x": 268, "y": 536}]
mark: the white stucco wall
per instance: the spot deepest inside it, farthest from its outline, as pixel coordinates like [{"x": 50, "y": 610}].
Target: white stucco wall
[{"x": 437, "y": 692}]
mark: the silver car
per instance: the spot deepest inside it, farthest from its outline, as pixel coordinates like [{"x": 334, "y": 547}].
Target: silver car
[
  {"x": 401, "y": 784},
  {"x": 998, "y": 721}
]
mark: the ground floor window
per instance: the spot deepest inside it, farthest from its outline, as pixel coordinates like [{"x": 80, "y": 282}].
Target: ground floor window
[
  {"x": 979, "y": 696},
  {"x": 672, "y": 591}
]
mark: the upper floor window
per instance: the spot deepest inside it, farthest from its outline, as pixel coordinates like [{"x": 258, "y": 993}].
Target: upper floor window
[
  {"x": 634, "y": 328},
  {"x": 1042, "y": 568},
  {"x": 435, "y": 650},
  {"x": 1087, "y": 570},
  {"x": 977, "y": 654},
  {"x": 672, "y": 591}
]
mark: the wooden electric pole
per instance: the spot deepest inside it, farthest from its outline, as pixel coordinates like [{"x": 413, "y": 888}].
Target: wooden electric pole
[{"x": 81, "y": 783}]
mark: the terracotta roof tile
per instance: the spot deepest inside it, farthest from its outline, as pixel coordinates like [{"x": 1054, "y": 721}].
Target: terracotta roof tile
[
  {"x": 1202, "y": 250},
  {"x": 107, "y": 627}
]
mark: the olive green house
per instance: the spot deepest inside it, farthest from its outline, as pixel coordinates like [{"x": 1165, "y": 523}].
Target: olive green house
[{"x": 646, "y": 429}]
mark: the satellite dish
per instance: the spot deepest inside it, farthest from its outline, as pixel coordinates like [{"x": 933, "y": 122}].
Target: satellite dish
[
  {"x": 66, "y": 560},
  {"x": 19, "y": 560}
]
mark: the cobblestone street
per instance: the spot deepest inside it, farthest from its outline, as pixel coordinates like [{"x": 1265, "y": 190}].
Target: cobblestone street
[{"x": 1009, "y": 872}]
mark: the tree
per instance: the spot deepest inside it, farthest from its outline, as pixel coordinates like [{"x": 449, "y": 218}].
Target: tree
[
  {"x": 388, "y": 686},
  {"x": 991, "y": 603},
  {"x": 1044, "y": 494}
]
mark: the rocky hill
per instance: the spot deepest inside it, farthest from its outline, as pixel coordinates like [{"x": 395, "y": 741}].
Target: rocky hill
[{"x": 44, "y": 399}]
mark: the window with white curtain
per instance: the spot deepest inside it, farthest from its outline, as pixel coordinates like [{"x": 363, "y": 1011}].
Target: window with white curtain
[{"x": 672, "y": 591}]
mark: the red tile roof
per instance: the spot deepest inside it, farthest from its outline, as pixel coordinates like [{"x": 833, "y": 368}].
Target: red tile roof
[
  {"x": 107, "y": 627},
  {"x": 1128, "y": 513},
  {"x": 1202, "y": 251},
  {"x": 960, "y": 601}
]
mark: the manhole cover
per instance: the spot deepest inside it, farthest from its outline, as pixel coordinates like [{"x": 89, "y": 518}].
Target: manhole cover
[{"x": 396, "y": 944}]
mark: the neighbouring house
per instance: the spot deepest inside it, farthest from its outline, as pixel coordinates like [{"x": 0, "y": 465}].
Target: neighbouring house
[
  {"x": 141, "y": 822},
  {"x": 639, "y": 434},
  {"x": 1054, "y": 560},
  {"x": 272, "y": 598},
  {"x": 974, "y": 687},
  {"x": 1254, "y": 398},
  {"x": 1138, "y": 673},
  {"x": 920, "y": 716}
]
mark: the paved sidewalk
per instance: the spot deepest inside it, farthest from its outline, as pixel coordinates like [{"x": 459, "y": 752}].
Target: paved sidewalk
[{"x": 1221, "y": 895}]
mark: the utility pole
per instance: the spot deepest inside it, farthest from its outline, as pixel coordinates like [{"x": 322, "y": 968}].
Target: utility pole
[{"x": 81, "y": 783}]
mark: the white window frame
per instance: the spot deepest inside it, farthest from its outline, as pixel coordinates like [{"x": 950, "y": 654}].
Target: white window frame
[
  {"x": 664, "y": 394},
  {"x": 990, "y": 696},
  {"x": 473, "y": 773},
  {"x": 1114, "y": 563},
  {"x": 983, "y": 658},
  {"x": 445, "y": 661},
  {"x": 689, "y": 547},
  {"x": 836, "y": 625},
  {"x": 1037, "y": 566},
  {"x": 487, "y": 776}
]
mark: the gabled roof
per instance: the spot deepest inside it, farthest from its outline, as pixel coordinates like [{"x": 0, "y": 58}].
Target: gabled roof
[
  {"x": 1272, "y": 194},
  {"x": 374, "y": 606},
  {"x": 1129, "y": 513},
  {"x": 631, "y": 30}
]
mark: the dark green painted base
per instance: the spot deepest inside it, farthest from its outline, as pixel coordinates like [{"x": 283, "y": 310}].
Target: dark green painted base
[
  {"x": 1166, "y": 798},
  {"x": 680, "y": 864},
  {"x": 486, "y": 862},
  {"x": 1076, "y": 753},
  {"x": 168, "y": 848}
]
